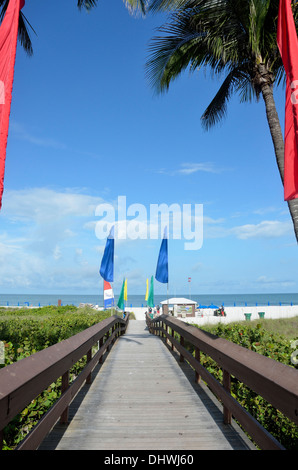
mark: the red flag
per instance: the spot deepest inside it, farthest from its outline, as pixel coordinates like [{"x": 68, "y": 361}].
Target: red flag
[
  {"x": 8, "y": 46},
  {"x": 288, "y": 46}
]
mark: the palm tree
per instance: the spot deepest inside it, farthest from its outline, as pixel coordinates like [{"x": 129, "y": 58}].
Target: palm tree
[{"x": 235, "y": 39}]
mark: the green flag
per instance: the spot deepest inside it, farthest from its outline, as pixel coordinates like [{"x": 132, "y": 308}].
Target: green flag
[
  {"x": 150, "y": 301},
  {"x": 121, "y": 303}
]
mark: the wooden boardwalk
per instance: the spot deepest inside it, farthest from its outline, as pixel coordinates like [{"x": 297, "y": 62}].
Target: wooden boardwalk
[{"x": 142, "y": 398}]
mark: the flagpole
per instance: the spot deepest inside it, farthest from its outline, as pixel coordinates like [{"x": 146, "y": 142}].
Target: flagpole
[
  {"x": 161, "y": 274},
  {"x": 168, "y": 291},
  {"x": 107, "y": 262},
  {"x": 168, "y": 288},
  {"x": 112, "y": 306},
  {"x": 168, "y": 296}
]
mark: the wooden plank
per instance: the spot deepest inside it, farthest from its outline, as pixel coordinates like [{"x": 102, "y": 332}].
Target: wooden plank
[
  {"x": 274, "y": 381},
  {"x": 142, "y": 398}
]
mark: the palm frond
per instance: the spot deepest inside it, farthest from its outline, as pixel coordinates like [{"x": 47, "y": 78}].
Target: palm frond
[
  {"x": 217, "y": 109},
  {"x": 132, "y": 5},
  {"x": 136, "y": 6},
  {"x": 23, "y": 34},
  {"x": 166, "y": 5},
  {"x": 258, "y": 15},
  {"x": 4, "y": 5},
  {"x": 169, "y": 57},
  {"x": 87, "y": 4},
  {"x": 180, "y": 43}
]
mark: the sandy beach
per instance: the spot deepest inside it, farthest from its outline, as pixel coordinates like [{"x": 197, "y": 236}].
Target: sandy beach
[
  {"x": 206, "y": 315},
  {"x": 234, "y": 314}
]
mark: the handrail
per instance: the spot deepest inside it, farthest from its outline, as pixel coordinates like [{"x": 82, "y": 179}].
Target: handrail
[
  {"x": 24, "y": 380},
  {"x": 275, "y": 382}
]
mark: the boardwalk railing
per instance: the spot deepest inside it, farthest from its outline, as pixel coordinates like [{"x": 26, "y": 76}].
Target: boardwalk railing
[
  {"x": 275, "y": 382},
  {"x": 24, "y": 380}
]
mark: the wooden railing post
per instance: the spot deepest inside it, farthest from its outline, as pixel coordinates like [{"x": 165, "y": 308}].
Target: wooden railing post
[
  {"x": 107, "y": 337},
  {"x": 198, "y": 358},
  {"x": 89, "y": 357},
  {"x": 100, "y": 345},
  {"x": 168, "y": 333},
  {"x": 182, "y": 344},
  {"x": 64, "y": 387},
  {"x": 227, "y": 386}
]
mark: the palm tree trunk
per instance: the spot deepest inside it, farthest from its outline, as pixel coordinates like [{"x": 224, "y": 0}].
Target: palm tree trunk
[{"x": 277, "y": 138}]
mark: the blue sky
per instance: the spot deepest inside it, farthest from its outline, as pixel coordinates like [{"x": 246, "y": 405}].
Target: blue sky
[{"x": 86, "y": 128}]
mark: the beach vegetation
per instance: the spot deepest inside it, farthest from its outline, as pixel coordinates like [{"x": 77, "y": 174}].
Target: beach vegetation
[{"x": 285, "y": 327}]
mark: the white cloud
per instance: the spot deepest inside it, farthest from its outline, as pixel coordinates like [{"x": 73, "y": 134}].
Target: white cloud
[
  {"x": 21, "y": 132},
  {"x": 189, "y": 168},
  {"x": 45, "y": 204},
  {"x": 266, "y": 210},
  {"x": 266, "y": 281},
  {"x": 57, "y": 252},
  {"x": 192, "y": 167},
  {"x": 265, "y": 229},
  {"x": 43, "y": 237}
]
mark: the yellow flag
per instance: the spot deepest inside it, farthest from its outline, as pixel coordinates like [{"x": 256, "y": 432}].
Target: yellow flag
[
  {"x": 146, "y": 296},
  {"x": 125, "y": 290}
]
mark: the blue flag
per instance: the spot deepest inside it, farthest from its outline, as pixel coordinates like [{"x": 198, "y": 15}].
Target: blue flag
[
  {"x": 107, "y": 262},
  {"x": 161, "y": 274}
]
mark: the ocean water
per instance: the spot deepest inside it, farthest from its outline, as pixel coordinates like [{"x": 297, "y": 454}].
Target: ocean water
[{"x": 205, "y": 300}]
